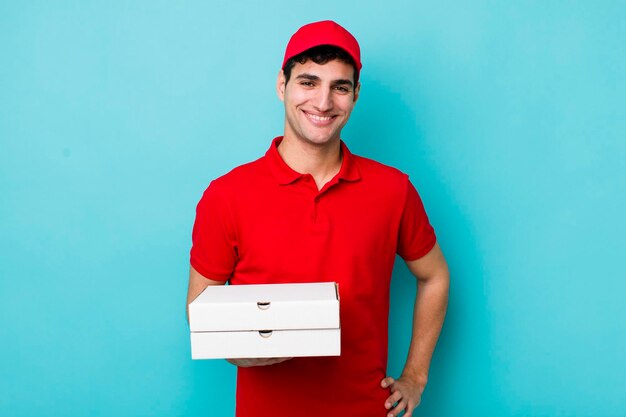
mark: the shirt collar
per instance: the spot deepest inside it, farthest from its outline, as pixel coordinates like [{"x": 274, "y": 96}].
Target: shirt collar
[{"x": 285, "y": 175}]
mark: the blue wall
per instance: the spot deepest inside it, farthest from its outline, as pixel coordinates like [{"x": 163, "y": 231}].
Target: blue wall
[{"x": 509, "y": 117}]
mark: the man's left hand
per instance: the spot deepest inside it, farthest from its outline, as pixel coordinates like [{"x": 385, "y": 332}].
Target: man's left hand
[{"x": 406, "y": 394}]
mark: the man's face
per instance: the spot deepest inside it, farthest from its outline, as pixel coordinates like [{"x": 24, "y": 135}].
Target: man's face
[{"x": 318, "y": 100}]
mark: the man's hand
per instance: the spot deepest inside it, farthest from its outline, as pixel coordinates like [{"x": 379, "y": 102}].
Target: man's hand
[
  {"x": 247, "y": 362},
  {"x": 406, "y": 394}
]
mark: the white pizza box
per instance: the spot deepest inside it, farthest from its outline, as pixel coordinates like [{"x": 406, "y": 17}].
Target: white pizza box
[
  {"x": 264, "y": 321},
  {"x": 265, "y": 344}
]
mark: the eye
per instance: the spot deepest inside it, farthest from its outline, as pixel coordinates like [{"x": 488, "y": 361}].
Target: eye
[
  {"x": 307, "y": 83},
  {"x": 342, "y": 89}
]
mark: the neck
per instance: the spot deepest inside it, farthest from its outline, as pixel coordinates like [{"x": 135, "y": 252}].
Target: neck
[{"x": 321, "y": 162}]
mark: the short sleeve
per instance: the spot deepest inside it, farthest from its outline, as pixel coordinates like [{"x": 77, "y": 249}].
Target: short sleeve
[
  {"x": 214, "y": 244},
  {"x": 416, "y": 236}
]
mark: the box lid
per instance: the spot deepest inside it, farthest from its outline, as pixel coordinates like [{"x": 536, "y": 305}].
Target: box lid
[{"x": 266, "y": 307}]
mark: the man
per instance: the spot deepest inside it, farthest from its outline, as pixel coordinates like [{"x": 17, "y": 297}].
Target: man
[{"x": 308, "y": 211}]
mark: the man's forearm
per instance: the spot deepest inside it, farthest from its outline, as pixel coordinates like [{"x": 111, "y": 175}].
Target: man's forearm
[
  {"x": 428, "y": 315},
  {"x": 197, "y": 284}
]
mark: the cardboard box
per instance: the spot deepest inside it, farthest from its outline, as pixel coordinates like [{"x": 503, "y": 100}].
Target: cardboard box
[{"x": 266, "y": 321}]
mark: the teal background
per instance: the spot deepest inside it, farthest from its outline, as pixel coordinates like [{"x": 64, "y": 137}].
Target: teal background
[{"x": 508, "y": 116}]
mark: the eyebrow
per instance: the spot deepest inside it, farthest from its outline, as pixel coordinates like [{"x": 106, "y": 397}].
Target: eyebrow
[
  {"x": 309, "y": 77},
  {"x": 312, "y": 77},
  {"x": 343, "y": 82}
]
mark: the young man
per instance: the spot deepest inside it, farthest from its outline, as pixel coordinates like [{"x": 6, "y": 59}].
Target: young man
[{"x": 310, "y": 210}]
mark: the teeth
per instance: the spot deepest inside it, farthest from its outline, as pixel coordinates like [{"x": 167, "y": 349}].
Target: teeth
[{"x": 319, "y": 118}]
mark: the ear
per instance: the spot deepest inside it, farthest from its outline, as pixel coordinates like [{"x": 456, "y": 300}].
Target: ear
[
  {"x": 280, "y": 85},
  {"x": 357, "y": 90}
]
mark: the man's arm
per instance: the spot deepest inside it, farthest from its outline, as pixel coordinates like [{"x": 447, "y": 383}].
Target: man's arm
[
  {"x": 197, "y": 284},
  {"x": 431, "y": 302}
]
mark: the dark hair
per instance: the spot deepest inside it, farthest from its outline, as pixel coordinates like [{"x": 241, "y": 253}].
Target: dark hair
[{"x": 320, "y": 55}]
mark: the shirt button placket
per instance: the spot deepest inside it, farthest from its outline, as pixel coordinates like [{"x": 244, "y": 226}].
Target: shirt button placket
[{"x": 315, "y": 201}]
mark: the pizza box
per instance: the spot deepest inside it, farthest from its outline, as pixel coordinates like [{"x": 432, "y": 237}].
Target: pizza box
[{"x": 266, "y": 321}]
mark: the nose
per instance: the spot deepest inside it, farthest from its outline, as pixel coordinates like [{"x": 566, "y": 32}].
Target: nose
[{"x": 323, "y": 100}]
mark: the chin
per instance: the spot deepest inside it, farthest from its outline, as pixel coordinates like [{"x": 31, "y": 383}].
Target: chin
[
  {"x": 322, "y": 139},
  {"x": 322, "y": 142}
]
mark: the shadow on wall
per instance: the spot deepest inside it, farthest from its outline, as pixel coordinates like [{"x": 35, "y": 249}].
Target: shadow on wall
[{"x": 387, "y": 127}]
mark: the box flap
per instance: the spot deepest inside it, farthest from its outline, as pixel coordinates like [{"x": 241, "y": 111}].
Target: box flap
[{"x": 273, "y": 292}]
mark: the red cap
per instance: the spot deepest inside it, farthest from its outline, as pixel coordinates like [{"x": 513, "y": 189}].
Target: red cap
[{"x": 325, "y": 32}]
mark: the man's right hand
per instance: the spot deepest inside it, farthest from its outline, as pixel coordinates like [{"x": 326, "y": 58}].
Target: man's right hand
[{"x": 247, "y": 362}]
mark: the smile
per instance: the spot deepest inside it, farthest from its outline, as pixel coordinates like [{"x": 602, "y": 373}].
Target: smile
[{"x": 319, "y": 120}]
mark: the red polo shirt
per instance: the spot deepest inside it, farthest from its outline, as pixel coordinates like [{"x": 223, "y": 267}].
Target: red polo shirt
[{"x": 265, "y": 223}]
